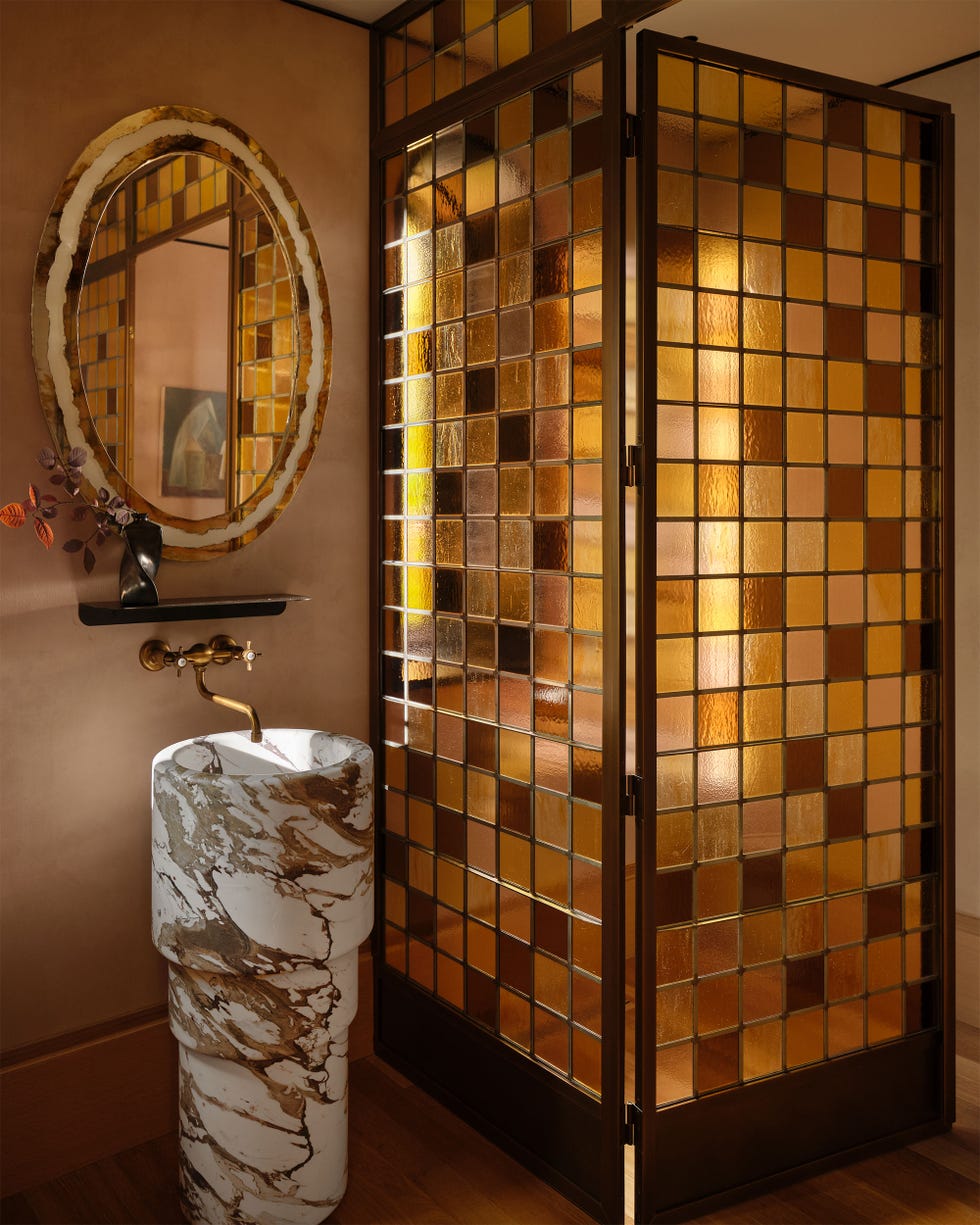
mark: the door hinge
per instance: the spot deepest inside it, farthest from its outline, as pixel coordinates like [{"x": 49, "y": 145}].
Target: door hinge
[
  {"x": 631, "y": 1123},
  {"x": 633, "y": 797},
  {"x": 632, "y": 466},
  {"x": 629, "y": 148}
]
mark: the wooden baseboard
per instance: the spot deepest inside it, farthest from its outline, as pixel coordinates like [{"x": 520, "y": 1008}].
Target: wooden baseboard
[
  {"x": 77, "y": 1099},
  {"x": 968, "y": 969},
  {"x": 85, "y": 1101}
]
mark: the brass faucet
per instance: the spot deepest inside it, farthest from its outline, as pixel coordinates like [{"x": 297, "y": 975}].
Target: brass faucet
[{"x": 155, "y": 655}]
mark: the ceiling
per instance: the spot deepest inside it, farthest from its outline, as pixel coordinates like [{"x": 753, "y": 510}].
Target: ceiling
[
  {"x": 868, "y": 40},
  {"x": 873, "y": 41},
  {"x": 367, "y": 11}
]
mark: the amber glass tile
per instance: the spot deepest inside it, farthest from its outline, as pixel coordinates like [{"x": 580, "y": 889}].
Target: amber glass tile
[
  {"x": 811, "y": 784},
  {"x": 480, "y": 383}
]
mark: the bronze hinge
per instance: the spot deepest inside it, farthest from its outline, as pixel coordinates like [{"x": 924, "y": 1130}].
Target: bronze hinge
[{"x": 633, "y": 797}]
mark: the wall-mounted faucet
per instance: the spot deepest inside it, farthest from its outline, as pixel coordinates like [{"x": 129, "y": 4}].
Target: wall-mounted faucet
[{"x": 155, "y": 655}]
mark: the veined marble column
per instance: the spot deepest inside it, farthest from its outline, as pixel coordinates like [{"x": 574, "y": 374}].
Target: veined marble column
[{"x": 263, "y": 886}]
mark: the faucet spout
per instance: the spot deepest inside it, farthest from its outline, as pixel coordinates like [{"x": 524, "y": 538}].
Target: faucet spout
[{"x": 231, "y": 703}]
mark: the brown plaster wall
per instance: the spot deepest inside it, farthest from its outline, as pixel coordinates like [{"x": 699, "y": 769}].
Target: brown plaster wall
[{"x": 79, "y": 719}]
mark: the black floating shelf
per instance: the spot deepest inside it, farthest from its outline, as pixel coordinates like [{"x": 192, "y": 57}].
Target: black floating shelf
[{"x": 111, "y": 612}]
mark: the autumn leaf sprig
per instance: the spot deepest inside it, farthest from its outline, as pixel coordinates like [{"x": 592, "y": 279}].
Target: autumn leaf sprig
[{"x": 109, "y": 513}]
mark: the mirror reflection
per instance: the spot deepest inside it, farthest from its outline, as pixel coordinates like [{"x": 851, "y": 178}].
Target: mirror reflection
[
  {"x": 186, "y": 338},
  {"x": 181, "y": 328}
]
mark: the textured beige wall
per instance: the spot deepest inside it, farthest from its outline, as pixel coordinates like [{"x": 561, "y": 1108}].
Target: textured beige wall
[
  {"x": 80, "y": 719},
  {"x": 960, "y": 87}
]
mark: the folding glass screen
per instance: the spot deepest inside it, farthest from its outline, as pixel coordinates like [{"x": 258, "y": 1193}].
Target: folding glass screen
[
  {"x": 492, "y": 570},
  {"x": 793, "y": 573},
  {"x": 788, "y": 632},
  {"x": 457, "y": 42}
]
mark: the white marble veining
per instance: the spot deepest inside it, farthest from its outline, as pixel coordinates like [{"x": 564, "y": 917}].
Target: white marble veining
[{"x": 262, "y": 892}]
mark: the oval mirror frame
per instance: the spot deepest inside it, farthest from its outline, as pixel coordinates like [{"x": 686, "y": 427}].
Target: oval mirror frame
[{"x": 112, "y": 157}]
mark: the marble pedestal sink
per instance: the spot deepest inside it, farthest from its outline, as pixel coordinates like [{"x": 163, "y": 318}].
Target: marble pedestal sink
[{"x": 263, "y": 887}]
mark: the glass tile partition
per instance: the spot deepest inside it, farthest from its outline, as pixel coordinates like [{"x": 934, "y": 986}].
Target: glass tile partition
[
  {"x": 492, "y": 574},
  {"x": 102, "y": 357},
  {"x": 796, "y": 433},
  {"x": 457, "y": 42},
  {"x": 266, "y": 351}
]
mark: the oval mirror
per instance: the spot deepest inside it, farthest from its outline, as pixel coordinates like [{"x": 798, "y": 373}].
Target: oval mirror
[{"x": 181, "y": 327}]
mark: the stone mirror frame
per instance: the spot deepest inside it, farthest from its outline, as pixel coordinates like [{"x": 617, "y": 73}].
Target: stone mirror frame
[{"x": 120, "y": 155}]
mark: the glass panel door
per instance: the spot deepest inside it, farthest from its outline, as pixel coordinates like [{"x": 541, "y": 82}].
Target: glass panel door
[{"x": 792, "y": 691}]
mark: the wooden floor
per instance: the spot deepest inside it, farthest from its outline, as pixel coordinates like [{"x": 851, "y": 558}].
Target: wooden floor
[{"x": 412, "y": 1161}]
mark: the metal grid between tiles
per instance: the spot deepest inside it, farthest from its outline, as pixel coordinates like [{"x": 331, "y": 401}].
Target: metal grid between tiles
[
  {"x": 457, "y": 42},
  {"x": 797, "y": 634},
  {"x": 492, "y": 580}
]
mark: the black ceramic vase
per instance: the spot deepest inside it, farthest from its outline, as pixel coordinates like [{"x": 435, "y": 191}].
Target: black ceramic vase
[{"x": 142, "y": 543}]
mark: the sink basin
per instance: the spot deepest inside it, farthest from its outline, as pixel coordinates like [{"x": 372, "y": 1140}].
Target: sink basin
[
  {"x": 282, "y": 751},
  {"x": 263, "y": 888}
]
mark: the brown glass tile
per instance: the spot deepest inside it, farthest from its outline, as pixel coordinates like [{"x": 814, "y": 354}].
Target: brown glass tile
[
  {"x": 514, "y": 649},
  {"x": 845, "y": 652},
  {"x": 845, "y": 812},
  {"x": 845, "y": 121},
  {"x": 587, "y": 147},
  {"x": 885, "y": 550},
  {"x": 550, "y": 105},
  {"x": 845, "y": 493},
  {"x": 762, "y": 157},
  {"x": 450, "y": 834},
  {"x": 804, "y": 983},
  {"x": 920, "y": 852},
  {"x": 921, "y": 648},
  {"x": 481, "y": 998},
  {"x": 551, "y": 930},
  {"x": 514, "y": 806},
  {"x": 421, "y": 915},
  {"x": 514, "y": 962},
  {"x": 884, "y": 389},
  {"x": 884, "y": 232},
  {"x": 551, "y": 270},
  {"x": 717, "y": 1062},
  {"x": 845, "y": 333},
  {"x": 551, "y": 543},
  {"x": 446, "y": 25},
  {"x": 805, "y": 764},
  {"x": 420, "y": 775},
  {"x": 762, "y": 882},
  {"x": 675, "y": 256},
  {"x": 673, "y": 897},
  {"x": 549, "y": 23},
  {"x": 395, "y": 858},
  {"x": 920, "y": 137},
  {"x": 480, "y": 390},
  {"x": 804, "y": 220},
  {"x": 921, "y": 1006},
  {"x": 884, "y": 911}
]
